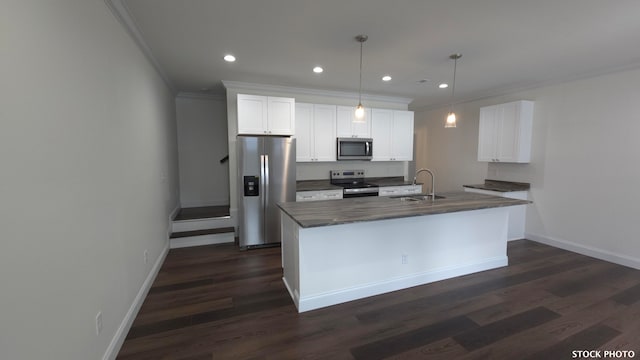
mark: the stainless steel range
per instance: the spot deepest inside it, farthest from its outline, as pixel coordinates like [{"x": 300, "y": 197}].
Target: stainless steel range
[{"x": 352, "y": 181}]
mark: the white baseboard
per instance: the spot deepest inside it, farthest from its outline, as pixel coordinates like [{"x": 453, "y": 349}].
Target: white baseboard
[
  {"x": 337, "y": 297},
  {"x": 202, "y": 240},
  {"x": 586, "y": 250},
  {"x": 125, "y": 325}
]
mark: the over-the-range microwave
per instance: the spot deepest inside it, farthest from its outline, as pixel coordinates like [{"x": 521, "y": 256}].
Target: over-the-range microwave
[{"x": 355, "y": 149}]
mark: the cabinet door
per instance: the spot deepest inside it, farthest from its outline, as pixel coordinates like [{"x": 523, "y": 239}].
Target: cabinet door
[
  {"x": 402, "y": 136},
  {"x": 324, "y": 132},
  {"x": 507, "y": 132},
  {"x": 487, "y": 133},
  {"x": 346, "y": 127},
  {"x": 281, "y": 116},
  {"x": 304, "y": 132},
  {"x": 252, "y": 114},
  {"x": 344, "y": 118},
  {"x": 362, "y": 129},
  {"x": 381, "y": 132}
]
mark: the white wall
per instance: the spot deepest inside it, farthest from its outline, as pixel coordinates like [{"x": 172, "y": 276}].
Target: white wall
[
  {"x": 583, "y": 172},
  {"x": 89, "y": 176},
  {"x": 202, "y": 142}
]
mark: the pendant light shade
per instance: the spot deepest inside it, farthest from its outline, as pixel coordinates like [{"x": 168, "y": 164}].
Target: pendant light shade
[
  {"x": 359, "y": 114},
  {"x": 451, "y": 116}
]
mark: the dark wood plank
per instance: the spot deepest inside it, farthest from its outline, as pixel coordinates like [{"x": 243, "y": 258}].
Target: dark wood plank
[
  {"x": 202, "y": 212},
  {"x": 588, "y": 339},
  {"x": 490, "y": 333},
  {"x": 412, "y": 339}
]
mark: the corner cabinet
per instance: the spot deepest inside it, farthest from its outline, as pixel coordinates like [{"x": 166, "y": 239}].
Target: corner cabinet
[
  {"x": 346, "y": 127},
  {"x": 265, "y": 115},
  {"x": 315, "y": 132},
  {"x": 504, "y": 133},
  {"x": 392, "y": 133}
]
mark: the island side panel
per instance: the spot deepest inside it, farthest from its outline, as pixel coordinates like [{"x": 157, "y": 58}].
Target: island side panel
[
  {"x": 290, "y": 257},
  {"x": 351, "y": 261}
]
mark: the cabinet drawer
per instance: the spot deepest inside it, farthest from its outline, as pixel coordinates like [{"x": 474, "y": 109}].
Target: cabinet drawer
[
  {"x": 400, "y": 190},
  {"x": 318, "y": 195}
]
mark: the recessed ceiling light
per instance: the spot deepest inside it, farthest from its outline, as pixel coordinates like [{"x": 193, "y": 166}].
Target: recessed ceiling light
[
  {"x": 318, "y": 70},
  {"x": 229, "y": 58},
  {"x": 386, "y": 78},
  {"x": 443, "y": 86}
]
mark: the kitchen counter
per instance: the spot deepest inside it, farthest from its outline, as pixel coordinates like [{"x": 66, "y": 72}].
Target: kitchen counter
[
  {"x": 315, "y": 185},
  {"x": 389, "y": 181},
  {"x": 501, "y": 186},
  {"x": 335, "y": 251},
  {"x": 345, "y": 211}
]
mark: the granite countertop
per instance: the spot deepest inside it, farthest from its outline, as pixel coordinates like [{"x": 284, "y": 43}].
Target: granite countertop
[
  {"x": 335, "y": 212},
  {"x": 501, "y": 186},
  {"x": 316, "y": 185},
  {"x": 388, "y": 181}
]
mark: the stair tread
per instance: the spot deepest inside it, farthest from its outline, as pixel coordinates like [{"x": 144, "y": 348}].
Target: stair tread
[
  {"x": 202, "y": 212},
  {"x": 181, "y": 234}
]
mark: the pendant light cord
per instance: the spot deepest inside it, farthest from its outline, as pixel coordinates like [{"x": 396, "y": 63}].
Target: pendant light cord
[
  {"x": 453, "y": 86},
  {"x": 360, "y": 84}
]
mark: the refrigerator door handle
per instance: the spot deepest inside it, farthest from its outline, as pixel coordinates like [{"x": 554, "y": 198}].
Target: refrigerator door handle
[
  {"x": 266, "y": 180},
  {"x": 262, "y": 179}
]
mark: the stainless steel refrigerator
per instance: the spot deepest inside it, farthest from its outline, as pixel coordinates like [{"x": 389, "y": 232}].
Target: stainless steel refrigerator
[{"x": 267, "y": 176}]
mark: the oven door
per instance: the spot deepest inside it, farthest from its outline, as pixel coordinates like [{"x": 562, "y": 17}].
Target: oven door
[
  {"x": 354, "y": 149},
  {"x": 360, "y": 192}
]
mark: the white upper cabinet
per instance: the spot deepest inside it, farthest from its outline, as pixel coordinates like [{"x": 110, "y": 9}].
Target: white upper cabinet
[
  {"x": 265, "y": 115},
  {"x": 346, "y": 127},
  {"x": 315, "y": 132},
  {"x": 392, "y": 133},
  {"x": 504, "y": 133}
]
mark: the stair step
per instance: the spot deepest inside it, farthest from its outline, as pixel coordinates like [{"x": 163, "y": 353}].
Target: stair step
[
  {"x": 203, "y": 212},
  {"x": 191, "y": 238},
  {"x": 182, "y": 234}
]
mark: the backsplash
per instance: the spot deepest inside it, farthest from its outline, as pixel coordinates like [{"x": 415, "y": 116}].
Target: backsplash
[{"x": 317, "y": 170}]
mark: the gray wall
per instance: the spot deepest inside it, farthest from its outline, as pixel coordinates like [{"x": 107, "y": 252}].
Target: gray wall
[
  {"x": 89, "y": 177},
  {"x": 583, "y": 171},
  {"x": 202, "y": 142}
]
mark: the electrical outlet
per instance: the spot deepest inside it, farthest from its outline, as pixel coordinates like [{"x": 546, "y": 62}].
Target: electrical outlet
[
  {"x": 405, "y": 259},
  {"x": 99, "y": 323},
  {"x": 146, "y": 256}
]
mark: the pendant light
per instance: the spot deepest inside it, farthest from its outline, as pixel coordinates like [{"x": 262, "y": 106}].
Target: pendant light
[
  {"x": 451, "y": 116},
  {"x": 359, "y": 115}
]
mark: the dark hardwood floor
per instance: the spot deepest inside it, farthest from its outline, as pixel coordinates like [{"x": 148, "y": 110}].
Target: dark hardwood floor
[{"x": 215, "y": 302}]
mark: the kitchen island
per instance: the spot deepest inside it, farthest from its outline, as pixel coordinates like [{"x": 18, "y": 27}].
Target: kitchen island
[{"x": 335, "y": 251}]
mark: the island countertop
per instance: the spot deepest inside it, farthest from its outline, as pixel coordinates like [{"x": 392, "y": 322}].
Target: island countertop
[{"x": 335, "y": 212}]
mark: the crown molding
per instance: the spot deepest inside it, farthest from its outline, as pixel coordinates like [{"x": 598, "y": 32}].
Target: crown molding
[
  {"x": 243, "y": 86},
  {"x": 201, "y": 96},
  {"x": 123, "y": 15}
]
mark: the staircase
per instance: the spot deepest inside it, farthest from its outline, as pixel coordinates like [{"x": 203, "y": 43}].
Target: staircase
[{"x": 202, "y": 226}]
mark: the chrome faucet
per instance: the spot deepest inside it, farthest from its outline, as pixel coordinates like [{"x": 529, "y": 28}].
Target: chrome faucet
[{"x": 433, "y": 181}]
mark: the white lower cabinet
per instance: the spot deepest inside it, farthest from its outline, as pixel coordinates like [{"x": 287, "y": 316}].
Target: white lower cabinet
[
  {"x": 400, "y": 190},
  {"x": 318, "y": 195},
  {"x": 517, "y": 214}
]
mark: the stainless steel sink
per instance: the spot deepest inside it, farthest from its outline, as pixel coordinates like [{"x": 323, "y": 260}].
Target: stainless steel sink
[{"x": 415, "y": 197}]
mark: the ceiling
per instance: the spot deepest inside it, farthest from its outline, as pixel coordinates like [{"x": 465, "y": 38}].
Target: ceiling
[{"x": 507, "y": 45}]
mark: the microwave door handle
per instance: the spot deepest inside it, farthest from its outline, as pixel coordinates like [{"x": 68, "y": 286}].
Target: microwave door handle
[{"x": 367, "y": 148}]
